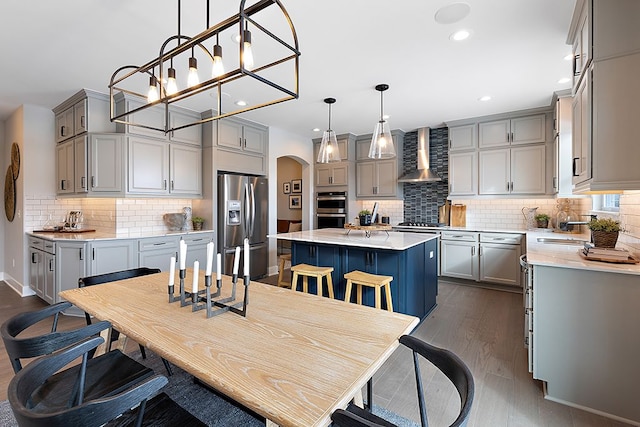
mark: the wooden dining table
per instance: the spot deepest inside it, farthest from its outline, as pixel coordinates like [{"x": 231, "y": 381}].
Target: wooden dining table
[{"x": 293, "y": 359}]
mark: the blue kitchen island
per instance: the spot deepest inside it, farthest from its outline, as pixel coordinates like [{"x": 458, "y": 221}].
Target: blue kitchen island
[{"x": 411, "y": 258}]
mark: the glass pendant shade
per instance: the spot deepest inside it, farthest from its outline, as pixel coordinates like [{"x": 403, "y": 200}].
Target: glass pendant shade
[
  {"x": 382, "y": 142},
  {"x": 218, "y": 65},
  {"x": 153, "y": 94},
  {"x": 329, "y": 150},
  {"x": 192, "y": 78}
]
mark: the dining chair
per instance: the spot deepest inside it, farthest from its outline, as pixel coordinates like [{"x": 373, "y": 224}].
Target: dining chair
[
  {"x": 112, "y": 277},
  {"x": 103, "y": 375},
  {"x": 444, "y": 360},
  {"x": 24, "y": 390}
]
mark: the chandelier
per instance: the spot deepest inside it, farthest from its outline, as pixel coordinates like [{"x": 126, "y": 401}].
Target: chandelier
[{"x": 214, "y": 80}]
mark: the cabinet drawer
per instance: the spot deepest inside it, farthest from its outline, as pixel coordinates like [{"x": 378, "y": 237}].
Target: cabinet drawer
[
  {"x": 465, "y": 236},
  {"x": 506, "y": 238},
  {"x": 49, "y": 246},
  {"x": 198, "y": 239},
  {"x": 36, "y": 243},
  {"x": 156, "y": 243}
]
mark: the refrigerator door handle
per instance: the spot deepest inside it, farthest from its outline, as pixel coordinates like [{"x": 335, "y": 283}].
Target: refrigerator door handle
[
  {"x": 253, "y": 210},
  {"x": 247, "y": 217}
]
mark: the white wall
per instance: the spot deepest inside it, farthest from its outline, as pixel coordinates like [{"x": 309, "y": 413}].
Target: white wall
[
  {"x": 283, "y": 143},
  {"x": 288, "y": 170},
  {"x": 3, "y": 144}
]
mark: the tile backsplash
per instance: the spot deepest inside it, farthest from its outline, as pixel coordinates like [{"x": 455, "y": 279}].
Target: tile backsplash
[{"x": 119, "y": 216}]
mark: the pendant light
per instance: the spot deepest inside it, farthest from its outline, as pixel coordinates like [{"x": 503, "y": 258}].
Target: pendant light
[
  {"x": 329, "y": 150},
  {"x": 382, "y": 142},
  {"x": 247, "y": 51},
  {"x": 192, "y": 77},
  {"x": 172, "y": 85},
  {"x": 218, "y": 66},
  {"x": 153, "y": 95}
]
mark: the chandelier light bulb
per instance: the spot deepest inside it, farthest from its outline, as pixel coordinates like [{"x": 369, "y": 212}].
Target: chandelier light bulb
[
  {"x": 218, "y": 65},
  {"x": 172, "y": 85},
  {"x": 192, "y": 78},
  {"x": 153, "y": 95},
  {"x": 247, "y": 56}
]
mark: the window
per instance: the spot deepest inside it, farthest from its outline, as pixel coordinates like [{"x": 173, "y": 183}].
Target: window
[{"x": 606, "y": 202}]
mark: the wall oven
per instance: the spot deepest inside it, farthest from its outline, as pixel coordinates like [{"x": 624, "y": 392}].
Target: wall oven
[{"x": 331, "y": 209}]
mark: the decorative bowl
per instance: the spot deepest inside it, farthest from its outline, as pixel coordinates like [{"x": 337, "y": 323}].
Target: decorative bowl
[{"x": 174, "y": 221}]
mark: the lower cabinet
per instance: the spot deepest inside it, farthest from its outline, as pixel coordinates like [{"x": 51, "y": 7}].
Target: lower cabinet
[
  {"x": 112, "y": 255},
  {"x": 42, "y": 268},
  {"x": 414, "y": 271},
  {"x": 71, "y": 265},
  {"x": 156, "y": 252},
  {"x": 483, "y": 257}
]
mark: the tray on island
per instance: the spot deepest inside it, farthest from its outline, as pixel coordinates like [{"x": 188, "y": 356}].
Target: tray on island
[
  {"x": 630, "y": 260},
  {"x": 368, "y": 228}
]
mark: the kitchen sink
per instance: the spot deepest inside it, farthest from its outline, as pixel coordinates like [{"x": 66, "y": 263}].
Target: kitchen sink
[{"x": 568, "y": 241}]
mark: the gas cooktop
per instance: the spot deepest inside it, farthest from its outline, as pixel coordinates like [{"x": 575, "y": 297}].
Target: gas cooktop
[{"x": 421, "y": 224}]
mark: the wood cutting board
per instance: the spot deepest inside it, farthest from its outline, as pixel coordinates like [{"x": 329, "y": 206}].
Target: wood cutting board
[{"x": 458, "y": 215}]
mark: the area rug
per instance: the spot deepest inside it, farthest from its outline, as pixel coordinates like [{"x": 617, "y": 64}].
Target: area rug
[{"x": 211, "y": 408}]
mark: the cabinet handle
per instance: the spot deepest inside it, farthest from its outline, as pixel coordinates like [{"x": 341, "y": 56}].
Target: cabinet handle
[
  {"x": 93, "y": 182},
  {"x": 507, "y": 136},
  {"x": 164, "y": 184},
  {"x": 160, "y": 244},
  {"x": 473, "y": 250},
  {"x": 81, "y": 253},
  {"x": 480, "y": 251},
  {"x": 576, "y": 72},
  {"x": 575, "y": 166},
  {"x": 450, "y": 144},
  {"x": 51, "y": 265},
  {"x": 512, "y": 137},
  {"x": 555, "y": 182},
  {"x": 34, "y": 258},
  {"x": 511, "y": 186},
  {"x": 83, "y": 183},
  {"x": 245, "y": 143},
  {"x": 82, "y": 122},
  {"x": 62, "y": 130},
  {"x": 507, "y": 185},
  {"x": 240, "y": 140},
  {"x": 171, "y": 185},
  {"x": 62, "y": 184}
]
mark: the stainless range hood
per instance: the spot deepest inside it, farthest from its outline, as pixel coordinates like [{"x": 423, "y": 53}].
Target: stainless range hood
[{"x": 423, "y": 173}]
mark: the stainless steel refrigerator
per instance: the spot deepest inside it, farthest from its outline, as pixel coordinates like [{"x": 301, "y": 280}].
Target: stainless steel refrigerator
[{"x": 242, "y": 212}]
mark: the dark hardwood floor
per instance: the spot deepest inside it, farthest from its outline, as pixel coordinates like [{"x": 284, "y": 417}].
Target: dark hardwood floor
[{"x": 483, "y": 326}]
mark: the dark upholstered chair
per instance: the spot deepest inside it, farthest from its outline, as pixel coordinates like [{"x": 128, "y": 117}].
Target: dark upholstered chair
[
  {"x": 112, "y": 277},
  {"x": 447, "y": 362},
  {"x": 25, "y": 389},
  {"x": 105, "y": 375}
]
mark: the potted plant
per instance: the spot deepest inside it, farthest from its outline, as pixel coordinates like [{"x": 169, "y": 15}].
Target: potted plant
[
  {"x": 542, "y": 220},
  {"x": 604, "y": 232},
  {"x": 197, "y": 222},
  {"x": 365, "y": 217}
]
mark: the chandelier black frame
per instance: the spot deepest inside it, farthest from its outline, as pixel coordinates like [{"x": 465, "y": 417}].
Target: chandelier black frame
[{"x": 123, "y": 74}]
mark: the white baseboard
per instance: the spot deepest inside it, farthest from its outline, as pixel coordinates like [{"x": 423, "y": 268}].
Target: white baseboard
[{"x": 19, "y": 288}]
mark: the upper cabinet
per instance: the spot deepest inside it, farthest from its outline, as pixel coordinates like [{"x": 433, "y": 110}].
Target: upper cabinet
[
  {"x": 378, "y": 178},
  {"x": 463, "y": 137},
  {"x": 606, "y": 39},
  {"x": 242, "y": 136},
  {"x": 346, "y": 143},
  {"x": 86, "y": 111},
  {"x": 240, "y": 145},
  {"x": 520, "y": 130},
  {"x": 336, "y": 175}
]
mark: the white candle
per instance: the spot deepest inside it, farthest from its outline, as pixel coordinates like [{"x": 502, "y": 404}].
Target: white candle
[
  {"x": 196, "y": 273},
  {"x": 236, "y": 260},
  {"x": 183, "y": 255},
  {"x": 219, "y": 267},
  {"x": 246, "y": 257},
  {"x": 172, "y": 271},
  {"x": 209, "y": 259}
]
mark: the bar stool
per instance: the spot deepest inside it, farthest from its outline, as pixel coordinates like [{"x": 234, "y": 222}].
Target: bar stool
[
  {"x": 283, "y": 259},
  {"x": 360, "y": 279},
  {"x": 307, "y": 271}
]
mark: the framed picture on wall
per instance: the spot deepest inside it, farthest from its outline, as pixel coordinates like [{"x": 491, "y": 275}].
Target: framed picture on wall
[
  {"x": 286, "y": 187},
  {"x": 296, "y": 186},
  {"x": 295, "y": 202}
]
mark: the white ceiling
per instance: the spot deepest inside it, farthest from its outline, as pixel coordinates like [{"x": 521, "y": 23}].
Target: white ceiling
[{"x": 51, "y": 49}]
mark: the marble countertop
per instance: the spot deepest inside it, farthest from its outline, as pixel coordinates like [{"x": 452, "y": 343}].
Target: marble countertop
[
  {"x": 449, "y": 228},
  {"x": 96, "y": 235},
  {"x": 397, "y": 241},
  {"x": 566, "y": 255}
]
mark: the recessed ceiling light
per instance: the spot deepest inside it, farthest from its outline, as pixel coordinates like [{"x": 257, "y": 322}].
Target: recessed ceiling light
[
  {"x": 316, "y": 129},
  {"x": 452, "y": 13},
  {"x": 241, "y": 103},
  {"x": 568, "y": 57},
  {"x": 386, "y": 117},
  {"x": 484, "y": 98},
  {"x": 564, "y": 80},
  {"x": 460, "y": 35},
  {"x": 235, "y": 38}
]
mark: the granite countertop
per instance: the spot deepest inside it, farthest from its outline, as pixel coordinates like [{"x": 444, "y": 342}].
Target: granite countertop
[
  {"x": 96, "y": 235},
  {"x": 337, "y": 236},
  {"x": 566, "y": 255}
]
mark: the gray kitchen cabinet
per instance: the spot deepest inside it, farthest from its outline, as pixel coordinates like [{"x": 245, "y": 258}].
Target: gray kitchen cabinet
[
  {"x": 86, "y": 111},
  {"x": 197, "y": 248},
  {"x": 332, "y": 174},
  {"x": 500, "y": 258},
  {"x": 71, "y": 265},
  {"x": 519, "y": 130},
  {"x": 519, "y": 170},
  {"x": 581, "y": 131},
  {"x": 562, "y": 172},
  {"x": 42, "y": 268},
  {"x": 190, "y": 135},
  {"x": 81, "y": 166},
  {"x": 377, "y": 179},
  {"x": 459, "y": 251},
  {"x": 65, "y": 168},
  {"x": 106, "y": 161},
  {"x": 343, "y": 147},
  {"x": 241, "y": 135},
  {"x": 107, "y": 256},
  {"x": 159, "y": 168},
  {"x": 156, "y": 252},
  {"x": 463, "y": 173},
  {"x": 463, "y": 137}
]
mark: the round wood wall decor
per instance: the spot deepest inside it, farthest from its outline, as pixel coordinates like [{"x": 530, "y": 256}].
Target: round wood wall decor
[
  {"x": 9, "y": 195},
  {"x": 15, "y": 160}
]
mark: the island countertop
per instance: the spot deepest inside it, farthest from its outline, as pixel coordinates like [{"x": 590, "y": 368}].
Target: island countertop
[{"x": 394, "y": 240}]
